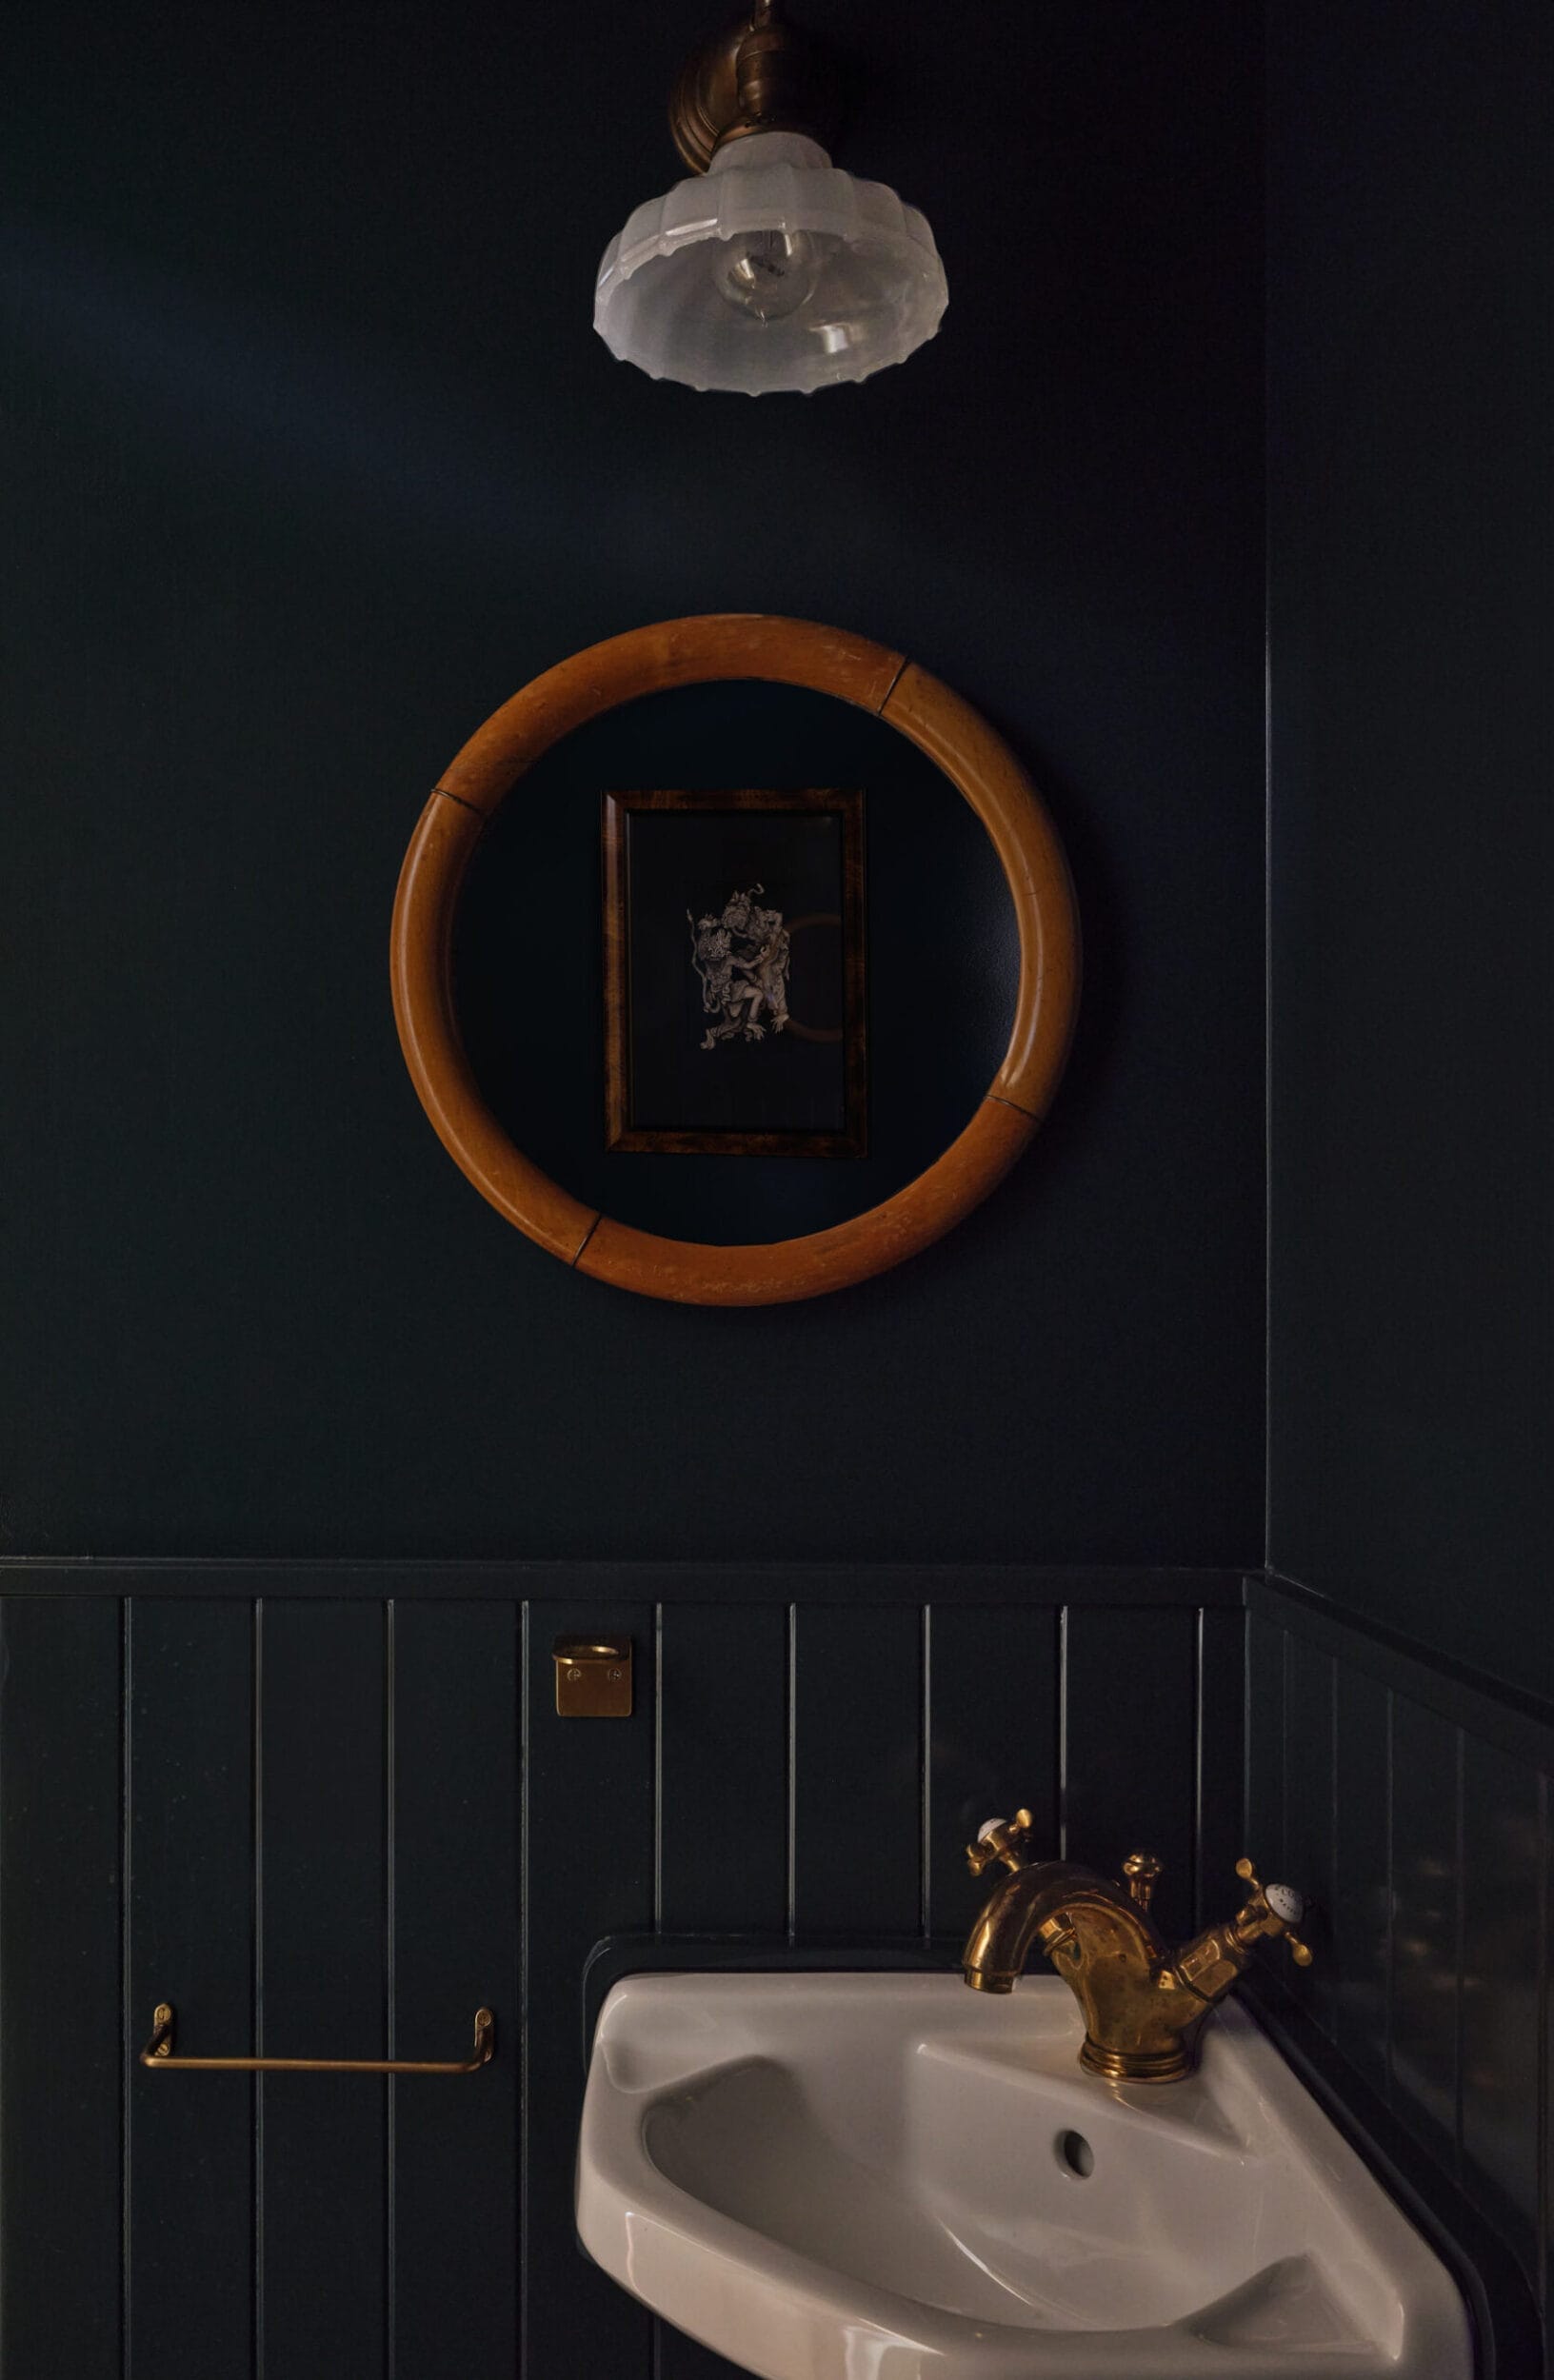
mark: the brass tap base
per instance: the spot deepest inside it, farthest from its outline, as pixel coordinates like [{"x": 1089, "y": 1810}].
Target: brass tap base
[
  {"x": 1144, "y": 2012},
  {"x": 1164, "y": 2066}
]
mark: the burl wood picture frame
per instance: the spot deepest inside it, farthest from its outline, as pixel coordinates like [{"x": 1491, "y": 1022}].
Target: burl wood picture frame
[
  {"x": 735, "y": 972},
  {"x": 718, "y": 646}
]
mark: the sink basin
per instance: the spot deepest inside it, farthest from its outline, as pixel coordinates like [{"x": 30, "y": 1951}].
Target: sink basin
[{"x": 888, "y": 2178}]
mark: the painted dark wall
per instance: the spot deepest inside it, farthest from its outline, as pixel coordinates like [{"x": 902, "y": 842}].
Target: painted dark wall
[
  {"x": 1412, "y": 538},
  {"x": 1411, "y": 1385},
  {"x": 1416, "y": 1812},
  {"x": 313, "y": 459}
]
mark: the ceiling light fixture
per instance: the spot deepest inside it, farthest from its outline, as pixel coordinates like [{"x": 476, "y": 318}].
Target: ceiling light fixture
[{"x": 773, "y": 269}]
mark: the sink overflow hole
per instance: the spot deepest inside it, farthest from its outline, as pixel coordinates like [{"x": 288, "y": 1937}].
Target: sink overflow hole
[{"x": 1074, "y": 2152}]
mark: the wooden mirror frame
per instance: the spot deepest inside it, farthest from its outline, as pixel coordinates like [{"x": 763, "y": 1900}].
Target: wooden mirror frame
[{"x": 691, "y": 652}]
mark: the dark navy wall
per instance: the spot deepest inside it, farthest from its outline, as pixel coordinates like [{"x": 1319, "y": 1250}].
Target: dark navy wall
[
  {"x": 1411, "y": 519},
  {"x": 1416, "y": 1812},
  {"x": 1401, "y": 1731},
  {"x": 313, "y": 459}
]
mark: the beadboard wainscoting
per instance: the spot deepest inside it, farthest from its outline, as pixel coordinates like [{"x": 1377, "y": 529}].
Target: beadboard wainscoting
[
  {"x": 329, "y": 1810},
  {"x": 1414, "y": 1806}
]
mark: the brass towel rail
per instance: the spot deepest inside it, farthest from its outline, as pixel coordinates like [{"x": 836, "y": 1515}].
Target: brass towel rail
[{"x": 159, "y": 2056}]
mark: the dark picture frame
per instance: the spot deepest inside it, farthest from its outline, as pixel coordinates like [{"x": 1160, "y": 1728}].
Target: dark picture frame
[{"x": 708, "y": 1049}]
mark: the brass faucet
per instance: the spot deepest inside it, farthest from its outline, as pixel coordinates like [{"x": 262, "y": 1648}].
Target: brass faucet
[{"x": 1144, "y": 2008}]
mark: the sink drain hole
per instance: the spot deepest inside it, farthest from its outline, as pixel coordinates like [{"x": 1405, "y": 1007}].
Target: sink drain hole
[{"x": 1075, "y": 2154}]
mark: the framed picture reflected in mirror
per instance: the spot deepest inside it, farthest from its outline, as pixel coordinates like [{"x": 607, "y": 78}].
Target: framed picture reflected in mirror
[{"x": 735, "y": 973}]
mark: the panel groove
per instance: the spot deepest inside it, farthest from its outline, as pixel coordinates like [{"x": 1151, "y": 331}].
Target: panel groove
[
  {"x": 658, "y": 1787},
  {"x": 1391, "y": 1903},
  {"x": 1459, "y": 1943},
  {"x": 526, "y": 2366},
  {"x": 128, "y": 2045},
  {"x": 925, "y": 1803},
  {"x": 256, "y": 1786},
  {"x": 1333, "y": 1807},
  {"x": 1246, "y": 1729},
  {"x": 1219, "y": 1833},
  {"x": 391, "y": 2007},
  {"x": 1196, "y": 1895},
  {"x": 656, "y": 2349},
  {"x": 1546, "y": 2050},
  {"x": 1062, "y": 1732},
  {"x": 793, "y": 1751},
  {"x": 1281, "y": 1850}
]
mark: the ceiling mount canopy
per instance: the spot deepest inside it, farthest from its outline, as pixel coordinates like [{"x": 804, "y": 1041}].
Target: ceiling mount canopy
[
  {"x": 764, "y": 74},
  {"x": 776, "y": 269}
]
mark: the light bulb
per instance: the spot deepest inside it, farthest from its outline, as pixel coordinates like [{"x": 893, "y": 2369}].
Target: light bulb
[
  {"x": 768, "y": 275},
  {"x": 774, "y": 270}
]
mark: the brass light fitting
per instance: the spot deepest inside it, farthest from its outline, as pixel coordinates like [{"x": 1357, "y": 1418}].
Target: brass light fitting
[
  {"x": 1145, "y": 2006},
  {"x": 776, "y": 270},
  {"x": 760, "y": 74}
]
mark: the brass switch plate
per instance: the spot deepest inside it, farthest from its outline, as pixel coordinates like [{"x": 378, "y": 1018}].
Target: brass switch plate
[{"x": 593, "y": 1678}]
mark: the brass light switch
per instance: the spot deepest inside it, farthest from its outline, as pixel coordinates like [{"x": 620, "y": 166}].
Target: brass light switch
[{"x": 593, "y": 1681}]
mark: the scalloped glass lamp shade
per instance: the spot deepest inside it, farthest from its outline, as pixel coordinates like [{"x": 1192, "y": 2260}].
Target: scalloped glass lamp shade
[{"x": 773, "y": 269}]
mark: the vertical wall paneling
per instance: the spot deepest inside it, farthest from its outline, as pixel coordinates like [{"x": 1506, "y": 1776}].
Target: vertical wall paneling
[
  {"x": 722, "y": 1825},
  {"x": 321, "y": 1964},
  {"x": 992, "y": 1705},
  {"x": 1131, "y": 1694},
  {"x": 1307, "y": 1851},
  {"x": 858, "y": 1795},
  {"x": 1265, "y": 1743},
  {"x": 1360, "y": 1929},
  {"x": 1222, "y": 1663},
  {"x": 454, "y": 1946},
  {"x": 61, "y": 2035},
  {"x": 1425, "y": 1995},
  {"x": 190, "y": 1784},
  {"x": 329, "y": 1846},
  {"x": 589, "y": 1866},
  {"x": 1503, "y": 1873},
  {"x": 1545, "y": 2040},
  {"x": 1436, "y": 1943},
  {"x": 722, "y": 1768}
]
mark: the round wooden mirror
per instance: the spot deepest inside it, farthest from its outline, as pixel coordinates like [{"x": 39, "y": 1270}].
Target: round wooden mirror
[{"x": 691, "y": 652}]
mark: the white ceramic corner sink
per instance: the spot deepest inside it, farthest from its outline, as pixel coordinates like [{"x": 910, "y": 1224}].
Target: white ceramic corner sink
[{"x": 889, "y": 2177}]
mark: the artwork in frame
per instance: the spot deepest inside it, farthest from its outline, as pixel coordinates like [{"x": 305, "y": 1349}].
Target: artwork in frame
[{"x": 735, "y": 989}]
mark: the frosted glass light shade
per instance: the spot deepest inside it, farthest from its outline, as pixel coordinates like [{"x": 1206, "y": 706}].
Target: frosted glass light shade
[{"x": 773, "y": 269}]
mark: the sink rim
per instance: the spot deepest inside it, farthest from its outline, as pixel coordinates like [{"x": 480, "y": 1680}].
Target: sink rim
[{"x": 650, "y": 2232}]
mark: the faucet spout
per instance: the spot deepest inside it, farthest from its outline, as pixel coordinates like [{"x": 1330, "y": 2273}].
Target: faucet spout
[
  {"x": 1141, "y": 2022},
  {"x": 1043, "y": 1906}
]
